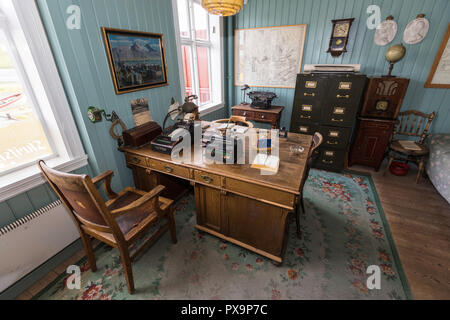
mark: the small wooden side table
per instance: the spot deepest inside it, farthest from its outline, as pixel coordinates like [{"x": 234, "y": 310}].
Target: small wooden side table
[{"x": 272, "y": 115}]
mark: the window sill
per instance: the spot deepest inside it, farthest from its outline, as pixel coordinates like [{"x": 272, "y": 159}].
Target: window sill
[
  {"x": 28, "y": 178},
  {"x": 210, "y": 108}
]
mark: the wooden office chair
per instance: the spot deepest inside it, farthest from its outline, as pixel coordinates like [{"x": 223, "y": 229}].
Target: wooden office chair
[
  {"x": 410, "y": 124},
  {"x": 317, "y": 141},
  {"x": 238, "y": 120},
  {"x": 119, "y": 222}
]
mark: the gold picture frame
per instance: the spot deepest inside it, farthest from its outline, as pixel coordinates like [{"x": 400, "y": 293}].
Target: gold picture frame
[
  {"x": 144, "y": 68},
  {"x": 444, "y": 48}
]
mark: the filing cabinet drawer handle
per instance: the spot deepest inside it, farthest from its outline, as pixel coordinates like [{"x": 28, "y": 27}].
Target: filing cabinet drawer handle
[
  {"x": 344, "y": 97},
  {"x": 305, "y": 117},
  {"x": 207, "y": 179},
  {"x": 337, "y": 120},
  {"x": 328, "y": 162},
  {"x": 309, "y": 94},
  {"x": 332, "y": 143},
  {"x": 136, "y": 160},
  {"x": 168, "y": 169}
]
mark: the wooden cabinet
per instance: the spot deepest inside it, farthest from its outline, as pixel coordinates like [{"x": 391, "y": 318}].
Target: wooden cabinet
[
  {"x": 271, "y": 116},
  {"x": 329, "y": 104},
  {"x": 371, "y": 142},
  {"x": 242, "y": 220},
  {"x": 382, "y": 103},
  {"x": 384, "y": 97}
]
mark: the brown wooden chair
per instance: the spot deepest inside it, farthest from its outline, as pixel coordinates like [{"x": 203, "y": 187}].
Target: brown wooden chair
[
  {"x": 119, "y": 222},
  {"x": 317, "y": 141},
  {"x": 410, "y": 124}
]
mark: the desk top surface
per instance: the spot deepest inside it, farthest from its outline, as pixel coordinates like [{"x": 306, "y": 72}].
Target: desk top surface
[{"x": 288, "y": 178}]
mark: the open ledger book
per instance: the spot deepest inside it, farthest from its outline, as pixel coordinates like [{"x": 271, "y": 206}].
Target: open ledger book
[{"x": 266, "y": 162}]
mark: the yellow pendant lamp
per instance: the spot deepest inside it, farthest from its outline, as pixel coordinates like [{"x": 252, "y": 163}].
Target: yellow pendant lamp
[{"x": 223, "y": 8}]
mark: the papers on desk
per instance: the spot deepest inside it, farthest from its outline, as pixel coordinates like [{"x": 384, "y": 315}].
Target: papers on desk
[{"x": 266, "y": 162}]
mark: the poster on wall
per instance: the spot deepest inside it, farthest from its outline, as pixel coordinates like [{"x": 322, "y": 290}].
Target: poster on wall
[
  {"x": 269, "y": 57},
  {"x": 136, "y": 59},
  {"x": 439, "y": 76}
]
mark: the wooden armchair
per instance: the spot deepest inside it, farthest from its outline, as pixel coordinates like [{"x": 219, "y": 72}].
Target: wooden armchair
[
  {"x": 238, "y": 120},
  {"x": 410, "y": 124},
  {"x": 317, "y": 141},
  {"x": 119, "y": 222}
]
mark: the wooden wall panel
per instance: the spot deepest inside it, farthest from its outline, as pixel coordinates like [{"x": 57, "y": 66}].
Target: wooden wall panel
[{"x": 317, "y": 14}]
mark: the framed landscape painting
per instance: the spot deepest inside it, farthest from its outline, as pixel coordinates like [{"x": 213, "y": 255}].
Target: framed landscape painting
[{"x": 137, "y": 60}]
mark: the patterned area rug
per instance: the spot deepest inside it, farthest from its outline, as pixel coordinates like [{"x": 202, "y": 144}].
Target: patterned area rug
[{"x": 343, "y": 232}]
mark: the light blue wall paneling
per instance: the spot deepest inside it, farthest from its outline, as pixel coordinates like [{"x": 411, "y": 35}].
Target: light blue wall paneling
[
  {"x": 317, "y": 14},
  {"x": 30, "y": 201},
  {"x": 83, "y": 67}
]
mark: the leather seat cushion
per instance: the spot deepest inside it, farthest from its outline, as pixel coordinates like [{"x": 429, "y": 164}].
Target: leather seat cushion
[{"x": 131, "y": 219}]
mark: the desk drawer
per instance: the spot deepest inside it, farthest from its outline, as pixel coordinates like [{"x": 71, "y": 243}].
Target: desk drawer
[
  {"x": 208, "y": 178},
  {"x": 260, "y": 192},
  {"x": 243, "y": 113},
  {"x": 335, "y": 137},
  {"x": 136, "y": 160},
  {"x": 169, "y": 168},
  {"x": 261, "y": 116}
]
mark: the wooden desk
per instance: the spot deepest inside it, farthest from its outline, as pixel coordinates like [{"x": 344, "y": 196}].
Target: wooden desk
[
  {"x": 271, "y": 116},
  {"x": 234, "y": 202}
]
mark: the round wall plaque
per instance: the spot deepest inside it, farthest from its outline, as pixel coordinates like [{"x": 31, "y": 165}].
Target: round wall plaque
[
  {"x": 416, "y": 30},
  {"x": 386, "y": 32}
]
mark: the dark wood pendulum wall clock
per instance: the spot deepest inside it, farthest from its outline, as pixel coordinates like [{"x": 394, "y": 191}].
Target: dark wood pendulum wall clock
[{"x": 339, "y": 36}]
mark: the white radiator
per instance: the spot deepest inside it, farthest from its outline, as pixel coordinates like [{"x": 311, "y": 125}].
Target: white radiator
[{"x": 32, "y": 240}]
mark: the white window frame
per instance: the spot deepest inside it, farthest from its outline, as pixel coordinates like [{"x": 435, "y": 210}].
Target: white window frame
[
  {"x": 216, "y": 70},
  {"x": 44, "y": 88}
]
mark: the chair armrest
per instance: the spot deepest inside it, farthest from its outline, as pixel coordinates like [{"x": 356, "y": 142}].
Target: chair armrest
[
  {"x": 106, "y": 178},
  {"x": 153, "y": 195}
]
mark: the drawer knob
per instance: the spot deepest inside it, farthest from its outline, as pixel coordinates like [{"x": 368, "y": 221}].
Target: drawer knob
[
  {"x": 244, "y": 114},
  {"x": 306, "y": 94},
  {"x": 168, "y": 169},
  {"x": 337, "y": 120},
  {"x": 263, "y": 116},
  {"x": 343, "y": 97},
  {"x": 207, "y": 179},
  {"x": 136, "y": 160}
]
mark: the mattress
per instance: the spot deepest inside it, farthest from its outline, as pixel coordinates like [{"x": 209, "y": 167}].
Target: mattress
[{"x": 438, "y": 167}]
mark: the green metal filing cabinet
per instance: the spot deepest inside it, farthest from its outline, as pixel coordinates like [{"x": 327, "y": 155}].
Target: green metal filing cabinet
[{"x": 328, "y": 103}]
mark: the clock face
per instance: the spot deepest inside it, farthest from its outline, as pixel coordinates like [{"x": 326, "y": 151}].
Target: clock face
[
  {"x": 341, "y": 29},
  {"x": 338, "y": 44}
]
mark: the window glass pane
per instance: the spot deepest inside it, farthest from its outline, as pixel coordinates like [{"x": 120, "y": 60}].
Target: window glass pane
[
  {"x": 22, "y": 138},
  {"x": 201, "y": 22},
  {"x": 187, "y": 64},
  {"x": 203, "y": 74},
  {"x": 183, "y": 18}
]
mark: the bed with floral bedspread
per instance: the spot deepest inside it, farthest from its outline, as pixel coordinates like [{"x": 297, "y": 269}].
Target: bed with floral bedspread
[{"x": 438, "y": 167}]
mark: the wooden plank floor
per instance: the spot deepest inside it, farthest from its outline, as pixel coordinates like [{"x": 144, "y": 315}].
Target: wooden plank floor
[{"x": 419, "y": 219}]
